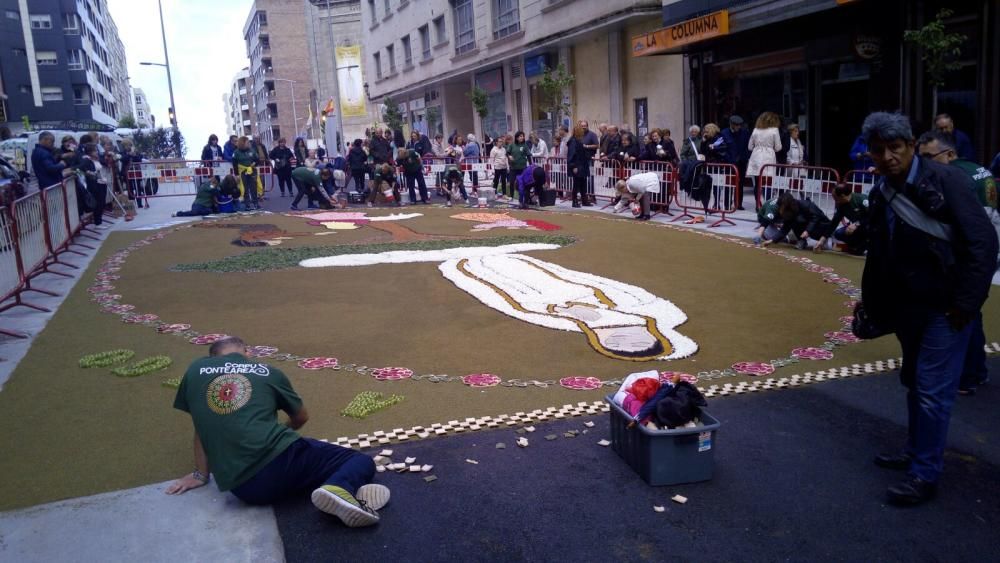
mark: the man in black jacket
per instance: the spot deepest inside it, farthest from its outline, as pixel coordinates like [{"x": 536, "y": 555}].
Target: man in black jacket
[
  {"x": 931, "y": 256},
  {"x": 282, "y": 157},
  {"x": 381, "y": 150},
  {"x": 47, "y": 168},
  {"x": 802, "y": 217}
]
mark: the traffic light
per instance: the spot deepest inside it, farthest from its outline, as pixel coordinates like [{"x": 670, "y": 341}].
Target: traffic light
[{"x": 170, "y": 114}]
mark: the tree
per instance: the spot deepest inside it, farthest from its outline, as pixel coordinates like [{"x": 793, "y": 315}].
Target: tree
[
  {"x": 159, "y": 143},
  {"x": 940, "y": 49},
  {"x": 128, "y": 122},
  {"x": 480, "y": 101},
  {"x": 552, "y": 91},
  {"x": 392, "y": 116}
]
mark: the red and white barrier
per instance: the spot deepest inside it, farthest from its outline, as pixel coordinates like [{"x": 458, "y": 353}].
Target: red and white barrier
[
  {"x": 557, "y": 172},
  {"x": 860, "y": 181},
  {"x": 813, "y": 182},
  {"x": 720, "y": 199},
  {"x": 661, "y": 198},
  {"x": 169, "y": 178}
]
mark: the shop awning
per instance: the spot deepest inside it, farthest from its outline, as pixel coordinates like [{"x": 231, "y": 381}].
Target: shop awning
[{"x": 669, "y": 39}]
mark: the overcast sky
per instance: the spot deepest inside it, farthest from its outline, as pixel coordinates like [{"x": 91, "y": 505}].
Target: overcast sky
[{"x": 205, "y": 44}]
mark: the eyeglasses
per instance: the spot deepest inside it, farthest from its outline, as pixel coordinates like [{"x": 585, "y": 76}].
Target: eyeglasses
[{"x": 935, "y": 155}]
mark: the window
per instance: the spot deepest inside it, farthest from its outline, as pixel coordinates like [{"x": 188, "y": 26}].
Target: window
[
  {"x": 52, "y": 94},
  {"x": 371, "y": 8},
  {"x": 12, "y": 15},
  {"x": 71, "y": 24},
  {"x": 75, "y": 59},
  {"x": 465, "y": 27},
  {"x": 41, "y": 21},
  {"x": 390, "y": 53},
  {"x": 46, "y": 58},
  {"x": 407, "y": 51},
  {"x": 425, "y": 42},
  {"x": 440, "y": 33},
  {"x": 81, "y": 95},
  {"x": 262, "y": 18},
  {"x": 378, "y": 65},
  {"x": 505, "y": 18},
  {"x": 388, "y": 8}
]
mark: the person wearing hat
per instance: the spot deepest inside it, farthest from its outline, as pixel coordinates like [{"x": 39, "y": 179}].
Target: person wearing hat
[{"x": 738, "y": 140}]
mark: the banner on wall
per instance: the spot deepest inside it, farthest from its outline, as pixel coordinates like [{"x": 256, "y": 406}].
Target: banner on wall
[{"x": 350, "y": 81}]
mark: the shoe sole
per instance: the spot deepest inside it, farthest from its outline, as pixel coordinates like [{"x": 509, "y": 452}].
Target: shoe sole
[
  {"x": 374, "y": 495},
  {"x": 352, "y": 515}
]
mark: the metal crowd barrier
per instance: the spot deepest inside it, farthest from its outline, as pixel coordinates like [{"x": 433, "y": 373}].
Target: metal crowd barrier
[
  {"x": 661, "y": 199},
  {"x": 861, "y": 181},
  {"x": 170, "y": 178},
  {"x": 720, "y": 198},
  {"x": 813, "y": 182},
  {"x": 557, "y": 172}
]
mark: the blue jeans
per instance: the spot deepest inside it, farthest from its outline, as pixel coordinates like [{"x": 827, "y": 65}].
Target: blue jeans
[
  {"x": 303, "y": 467},
  {"x": 931, "y": 393},
  {"x": 856, "y": 241}
]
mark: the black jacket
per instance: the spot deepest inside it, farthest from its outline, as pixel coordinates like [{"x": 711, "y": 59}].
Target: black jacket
[
  {"x": 909, "y": 273},
  {"x": 282, "y": 158},
  {"x": 206, "y": 154},
  {"x": 810, "y": 219},
  {"x": 577, "y": 157},
  {"x": 649, "y": 152},
  {"x": 422, "y": 146},
  {"x": 380, "y": 150},
  {"x": 357, "y": 159}
]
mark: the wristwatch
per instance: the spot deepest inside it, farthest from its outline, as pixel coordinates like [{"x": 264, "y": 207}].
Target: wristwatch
[{"x": 200, "y": 476}]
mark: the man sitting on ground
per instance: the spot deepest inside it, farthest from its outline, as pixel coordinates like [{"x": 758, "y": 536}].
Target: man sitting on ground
[
  {"x": 853, "y": 207},
  {"x": 204, "y": 200},
  {"x": 233, "y": 404},
  {"x": 801, "y": 217}
]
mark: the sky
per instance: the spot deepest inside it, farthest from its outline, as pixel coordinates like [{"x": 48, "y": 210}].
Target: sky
[{"x": 205, "y": 44}]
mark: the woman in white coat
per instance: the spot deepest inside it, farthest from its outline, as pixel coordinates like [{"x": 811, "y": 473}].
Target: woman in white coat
[{"x": 764, "y": 145}]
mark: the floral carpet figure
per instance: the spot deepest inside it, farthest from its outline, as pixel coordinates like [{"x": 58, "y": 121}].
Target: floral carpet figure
[{"x": 619, "y": 320}]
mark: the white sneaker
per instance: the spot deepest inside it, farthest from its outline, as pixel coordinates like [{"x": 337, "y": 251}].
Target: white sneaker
[
  {"x": 342, "y": 504},
  {"x": 374, "y": 495}
]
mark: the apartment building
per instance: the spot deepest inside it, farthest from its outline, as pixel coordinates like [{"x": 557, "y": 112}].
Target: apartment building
[
  {"x": 280, "y": 73},
  {"x": 428, "y": 54},
  {"x": 239, "y": 111},
  {"x": 143, "y": 115},
  {"x": 61, "y": 61}
]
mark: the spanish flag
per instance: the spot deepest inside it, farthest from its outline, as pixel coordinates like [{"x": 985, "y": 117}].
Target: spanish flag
[{"x": 329, "y": 109}]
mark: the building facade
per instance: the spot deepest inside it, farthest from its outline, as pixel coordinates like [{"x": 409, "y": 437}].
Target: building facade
[
  {"x": 427, "y": 56},
  {"x": 61, "y": 60},
  {"x": 239, "y": 111},
  {"x": 140, "y": 105},
  {"x": 280, "y": 73},
  {"x": 338, "y": 103},
  {"x": 825, "y": 64}
]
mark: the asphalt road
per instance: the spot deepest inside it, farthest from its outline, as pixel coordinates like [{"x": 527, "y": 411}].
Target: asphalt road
[{"x": 793, "y": 481}]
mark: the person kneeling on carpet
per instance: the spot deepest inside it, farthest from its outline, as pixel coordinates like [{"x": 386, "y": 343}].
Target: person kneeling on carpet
[
  {"x": 636, "y": 191},
  {"x": 233, "y": 404},
  {"x": 801, "y": 217},
  {"x": 229, "y": 194},
  {"x": 454, "y": 185},
  {"x": 532, "y": 178},
  {"x": 309, "y": 183},
  {"x": 204, "y": 200},
  {"x": 768, "y": 220},
  {"x": 384, "y": 184}
]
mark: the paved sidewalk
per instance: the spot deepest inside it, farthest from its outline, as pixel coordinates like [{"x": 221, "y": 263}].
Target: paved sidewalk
[{"x": 142, "y": 524}]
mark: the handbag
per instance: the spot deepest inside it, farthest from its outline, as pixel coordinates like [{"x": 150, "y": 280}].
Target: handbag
[{"x": 864, "y": 327}]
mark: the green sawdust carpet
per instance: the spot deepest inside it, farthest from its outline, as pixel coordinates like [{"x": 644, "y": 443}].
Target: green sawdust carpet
[{"x": 70, "y": 431}]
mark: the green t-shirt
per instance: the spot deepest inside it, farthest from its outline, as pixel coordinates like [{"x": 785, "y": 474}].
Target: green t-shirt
[
  {"x": 307, "y": 176},
  {"x": 520, "y": 154},
  {"x": 206, "y": 195},
  {"x": 768, "y": 212},
  {"x": 986, "y": 188},
  {"x": 855, "y": 210},
  {"x": 233, "y": 403},
  {"x": 412, "y": 164}
]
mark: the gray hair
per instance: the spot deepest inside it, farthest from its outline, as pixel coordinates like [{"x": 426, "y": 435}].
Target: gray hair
[
  {"x": 945, "y": 141},
  {"x": 886, "y": 127},
  {"x": 220, "y": 346},
  {"x": 694, "y": 130}
]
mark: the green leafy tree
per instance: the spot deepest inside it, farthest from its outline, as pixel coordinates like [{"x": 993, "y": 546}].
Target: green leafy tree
[
  {"x": 939, "y": 48},
  {"x": 480, "y": 101},
  {"x": 552, "y": 91},
  {"x": 128, "y": 121},
  {"x": 392, "y": 116},
  {"x": 160, "y": 143}
]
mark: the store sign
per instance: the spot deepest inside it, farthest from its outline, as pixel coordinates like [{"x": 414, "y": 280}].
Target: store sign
[
  {"x": 868, "y": 47},
  {"x": 684, "y": 33},
  {"x": 534, "y": 66}
]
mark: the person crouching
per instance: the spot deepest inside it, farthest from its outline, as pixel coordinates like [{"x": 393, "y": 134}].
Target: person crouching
[
  {"x": 532, "y": 178},
  {"x": 309, "y": 183},
  {"x": 636, "y": 190},
  {"x": 204, "y": 200},
  {"x": 801, "y": 217}
]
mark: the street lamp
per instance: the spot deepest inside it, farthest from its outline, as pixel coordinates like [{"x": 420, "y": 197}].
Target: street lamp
[
  {"x": 295, "y": 115},
  {"x": 170, "y": 83}
]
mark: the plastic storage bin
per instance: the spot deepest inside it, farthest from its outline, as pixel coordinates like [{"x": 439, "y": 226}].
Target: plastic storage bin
[{"x": 665, "y": 457}]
